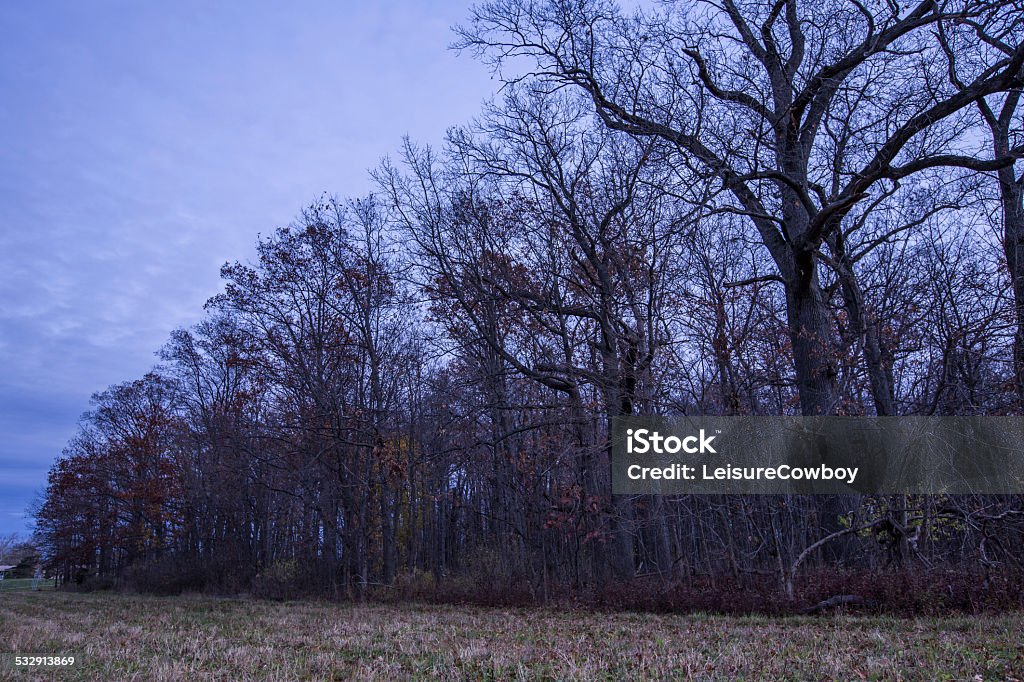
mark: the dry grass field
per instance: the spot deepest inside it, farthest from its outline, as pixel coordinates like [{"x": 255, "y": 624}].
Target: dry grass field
[{"x": 176, "y": 638}]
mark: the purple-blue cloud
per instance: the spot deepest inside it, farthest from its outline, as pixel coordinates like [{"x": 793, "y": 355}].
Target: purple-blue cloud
[{"x": 145, "y": 144}]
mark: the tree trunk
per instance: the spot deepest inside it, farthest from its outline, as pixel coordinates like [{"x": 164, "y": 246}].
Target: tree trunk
[
  {"x": 877, "y": 358},
  {"x": 1012, "y": 194},
  {"x": 810, "y": 330}
]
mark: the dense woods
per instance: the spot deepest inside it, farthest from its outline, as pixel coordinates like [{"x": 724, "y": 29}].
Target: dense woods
[{"x": 735, "y": 208}]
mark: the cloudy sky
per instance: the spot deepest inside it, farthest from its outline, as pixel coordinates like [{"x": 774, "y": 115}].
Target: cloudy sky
[{"x": 145, "y": 144}]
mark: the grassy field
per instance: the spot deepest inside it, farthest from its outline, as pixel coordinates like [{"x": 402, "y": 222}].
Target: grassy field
[
  {"x": 17, "y": 584},
  {"x": 150, "y": 638}
]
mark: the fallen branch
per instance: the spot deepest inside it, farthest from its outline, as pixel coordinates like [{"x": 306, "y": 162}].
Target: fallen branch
[{"x": 838, "y": 600}]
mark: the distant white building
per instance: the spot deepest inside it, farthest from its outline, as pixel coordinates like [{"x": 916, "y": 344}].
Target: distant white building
[{"x": 4, "y": 569}]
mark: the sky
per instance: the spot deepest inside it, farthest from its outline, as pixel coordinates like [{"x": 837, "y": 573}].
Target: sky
[{"x": 144, "y": 144}]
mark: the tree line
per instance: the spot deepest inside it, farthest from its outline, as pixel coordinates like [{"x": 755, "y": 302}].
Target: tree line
[{"x": 721, "y": 208}]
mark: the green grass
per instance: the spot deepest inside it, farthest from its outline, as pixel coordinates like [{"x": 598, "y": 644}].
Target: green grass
[
  {"x": 150, "y": 638},
  {"x": 13, "y": 584}
]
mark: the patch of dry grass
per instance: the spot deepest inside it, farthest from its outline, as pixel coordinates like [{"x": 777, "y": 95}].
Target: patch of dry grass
[{"x": 151, "y": 638}]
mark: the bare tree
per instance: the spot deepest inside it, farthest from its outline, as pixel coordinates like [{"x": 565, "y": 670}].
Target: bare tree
[
  {"x": 998, "y": 32},
  {"x": 749, "y": 92}
]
